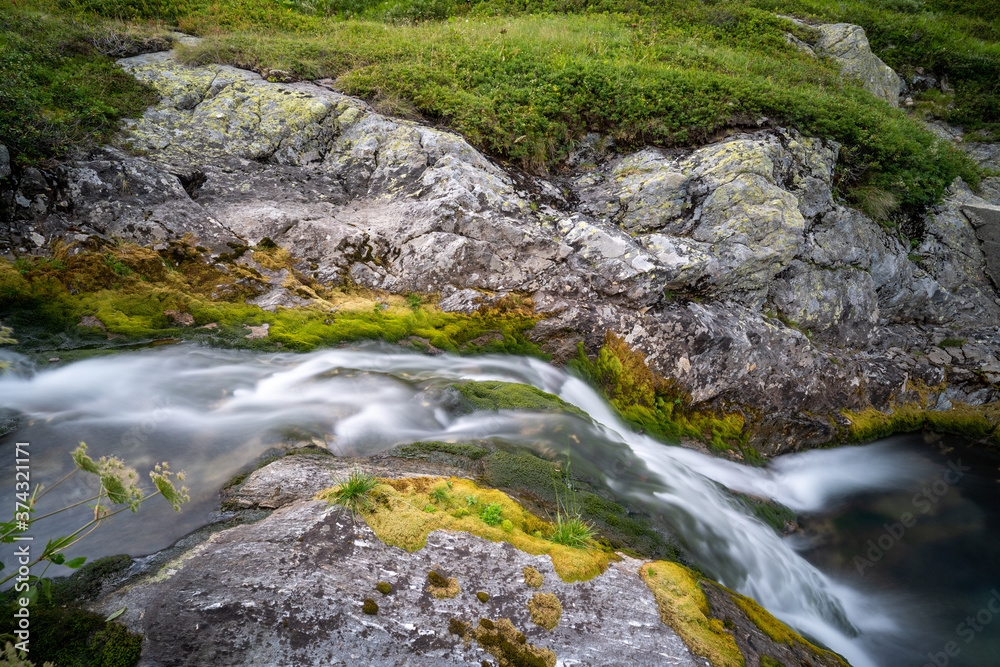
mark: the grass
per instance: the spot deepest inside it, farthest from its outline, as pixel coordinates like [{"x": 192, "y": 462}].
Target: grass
[
  {"x": 59, "y": 90},
  {"x": 354, "y": 492},
  {"x": 526, "y": 79}
]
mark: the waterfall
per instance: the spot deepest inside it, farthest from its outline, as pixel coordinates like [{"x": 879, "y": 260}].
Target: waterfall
[{"x": 211, "y": 411}]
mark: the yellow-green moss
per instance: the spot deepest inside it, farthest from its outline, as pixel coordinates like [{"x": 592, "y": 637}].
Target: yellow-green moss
[
  {"x": 398, "y": 519},
  {"x": 657, "y": 405},
  {"x": 533, "y": 577},
  {"x": 442, "y": 587},
  {"x": 979, "y": 422},
  {"x": 128, "y": 288},
  {"x": 370, "y": 607},
  {"x": 546, "y": 610},
  {"x": 775, "y": 629},
  {"x": 504, "y": 642},
  {"x": 383, "y": 587},
  {"x": 684, "y": 607},
  {"x": 483, "y": 596}
]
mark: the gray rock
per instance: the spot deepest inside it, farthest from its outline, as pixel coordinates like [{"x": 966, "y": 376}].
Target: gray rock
[
  {"x": 5, "y": 170},
  {"x": 289, "y": 590},
  {"x": 848, "y": 45}
]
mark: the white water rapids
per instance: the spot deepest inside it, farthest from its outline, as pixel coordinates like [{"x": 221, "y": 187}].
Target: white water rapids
[{"x": 211, "y": 411}]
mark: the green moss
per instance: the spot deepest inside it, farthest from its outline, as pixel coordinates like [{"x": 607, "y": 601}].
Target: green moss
[
  {"x": 519, "y": 469},
  {"x": 951, "y": 342},
  {"x": 658, "y": 406},
  {"x": 396, "y": 519},
  {"x": 427, "y": 449},
  {"x": 495, "y": 395},
  {"x": 71, "y": 636},
  {"x": 504, "y": 642},
  {"x": 86, "y": 583},
  {"x": 775, "y": 629},
  {"x": 773, "y": 514},
  {"x": 684, "y": 607},
  {"x": 978, "y": 422},
  {"x": 483, "y": 596},
  {"x": 545, "y": 610},
  {"x": 45, "y": 302},
  {"x": 369, "y": 607},
  {"x": 383, "y": 587},
  {"x": 768, "y": 661},
  {"x": 533, "y": 577}
]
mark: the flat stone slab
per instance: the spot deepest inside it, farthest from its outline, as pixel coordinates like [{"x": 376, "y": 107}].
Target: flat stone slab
[
  {"x": 985, "y": 219},
  {"x": 288, "y": 590}
]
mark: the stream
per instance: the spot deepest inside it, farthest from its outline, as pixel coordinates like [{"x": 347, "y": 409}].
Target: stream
[{"x": 879, "y": 594}]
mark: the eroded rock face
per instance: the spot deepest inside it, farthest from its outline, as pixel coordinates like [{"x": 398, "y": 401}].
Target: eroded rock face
[
  {"x": 290, "y": 589},
  {"x": 715, "y": 262}
]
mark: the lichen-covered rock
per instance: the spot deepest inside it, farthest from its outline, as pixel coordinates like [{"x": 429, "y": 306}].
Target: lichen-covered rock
[{"x": 848, "y": 45}]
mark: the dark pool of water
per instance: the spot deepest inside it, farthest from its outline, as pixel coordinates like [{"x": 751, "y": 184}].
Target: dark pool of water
[{"x": 933, "y": 549}]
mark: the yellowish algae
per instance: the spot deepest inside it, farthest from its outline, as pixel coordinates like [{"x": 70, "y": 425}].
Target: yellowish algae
[
  {"x": 684, "y": 607},
  {"x": 399, "y": 517}
]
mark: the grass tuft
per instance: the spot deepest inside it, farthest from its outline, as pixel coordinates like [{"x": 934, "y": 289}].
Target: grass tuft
[{"x": 354, "y": 491}]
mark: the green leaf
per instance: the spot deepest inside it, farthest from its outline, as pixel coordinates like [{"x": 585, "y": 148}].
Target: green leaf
[
  {"x": 47, "y": 589},
  {"x": 115, "y": 614},
  {"x": 32, "y": 595},
  {"x": 58, "y": 559},
  {"x": 76, "y": 562}
]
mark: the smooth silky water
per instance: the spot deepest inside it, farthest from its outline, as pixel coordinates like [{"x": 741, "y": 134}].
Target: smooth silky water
[{"x": 211, "y": 412}]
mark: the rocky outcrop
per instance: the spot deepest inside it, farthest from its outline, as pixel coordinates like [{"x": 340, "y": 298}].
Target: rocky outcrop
[
  {"x": 313, "y": 584},
  {"x": 730, "y": 267},
  {"x": 848, "y": 45}
]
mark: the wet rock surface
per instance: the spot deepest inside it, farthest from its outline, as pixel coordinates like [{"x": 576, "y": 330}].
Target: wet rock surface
[{"x": 730, "y": 267}]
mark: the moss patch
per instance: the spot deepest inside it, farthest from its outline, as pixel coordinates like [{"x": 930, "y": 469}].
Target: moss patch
[
  {"x": 123, "y": 293},
  {"x": 684, "y": 607},
  {"x": 69, "y": 636},
  {"x": 369, "y": 607},
  {"x": 397, "y": 518},
  {"x": 383, "y": 587},
  {"x": 533, "y": 577},
  {"x": 442, "y": 587},
  {"x": 775, "y": 629},
  {"x": 658, "y": 406},
  {"x": 495, "y": 395},
  {"x": 978, "y": 422},
  {"x": 483, "y": 596},
  {"x": 546, "y": 610},
  {"x": 504, "y": 642}
]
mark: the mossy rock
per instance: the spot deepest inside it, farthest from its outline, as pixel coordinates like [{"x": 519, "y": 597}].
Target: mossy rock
[{"x": 496, "y": 395}]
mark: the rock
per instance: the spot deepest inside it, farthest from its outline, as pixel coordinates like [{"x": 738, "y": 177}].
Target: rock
[
  {"x": 290, "y": 589},
  {"x": 258, "y": 331},
  {"x": 183, "y": 319},
  {"x": 848, "y": 45},
  {"x": 5, "y": 170},
  {"x": 839, "y": 305}
]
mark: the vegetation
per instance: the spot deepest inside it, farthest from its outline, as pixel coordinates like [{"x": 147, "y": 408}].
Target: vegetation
[
  {"x": 657, "y": 406},
  {"x": 59, "y": 90},
  {"x": 397, "y": 518},
  {"x": 354, "y": 491},
  {"x": 684, "y": 607},
  {"x": 545, "y": 610},
  {"x": 532, "y": 577},
  {"x": 81, "y": 301},
  {"x": 525, "y": 79},
  {"x": 504, "y": 642}
]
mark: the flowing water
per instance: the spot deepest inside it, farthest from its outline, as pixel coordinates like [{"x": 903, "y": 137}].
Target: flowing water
[{"x": 210, "y": 412}]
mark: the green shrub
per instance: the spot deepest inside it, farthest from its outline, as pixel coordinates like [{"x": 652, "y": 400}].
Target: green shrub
[{"x": 491, "y": 514}]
